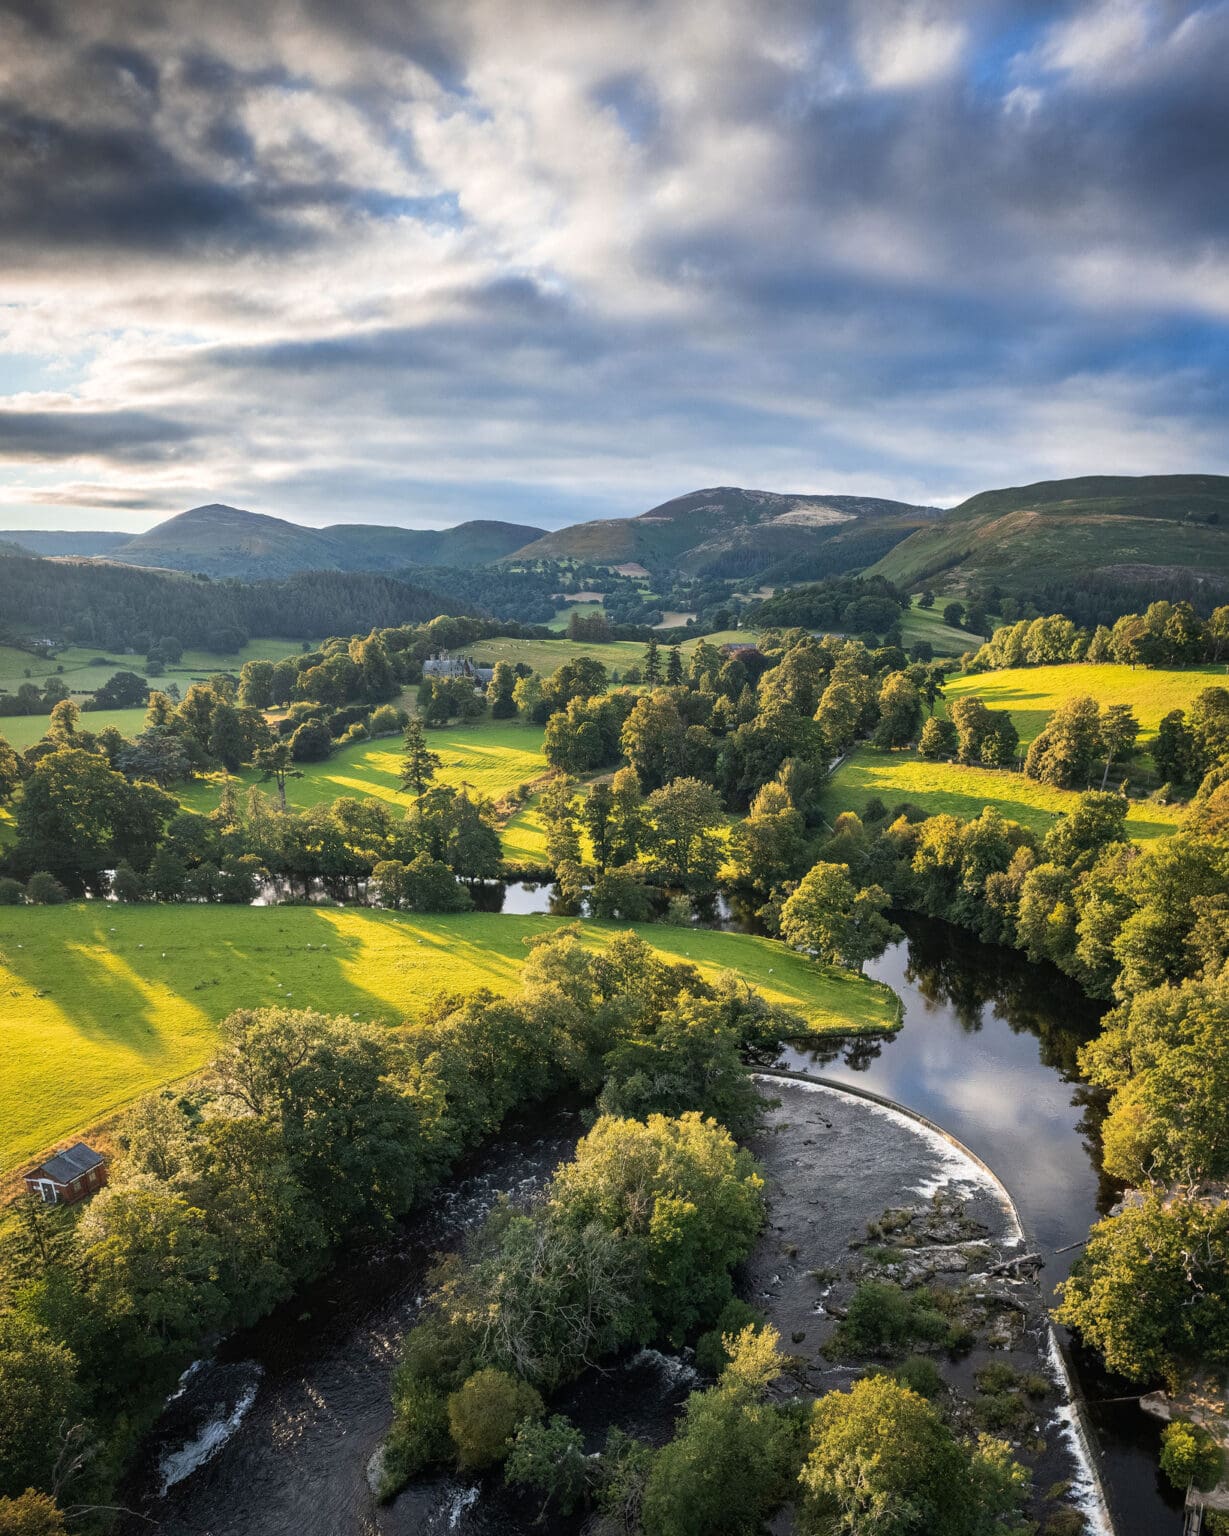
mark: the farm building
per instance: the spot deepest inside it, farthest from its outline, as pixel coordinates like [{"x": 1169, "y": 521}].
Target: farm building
[{"x": 69, "y": 1176}]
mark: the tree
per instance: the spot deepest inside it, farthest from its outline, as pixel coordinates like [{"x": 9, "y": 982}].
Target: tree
[
  {"x": 731, "y": 1461},
  {"x": 10, "y": 770},
  {"x": 1190, "y": 1457},
  {"x": 1151, "y": 1290},
  {"x": 39, "y": 1398},
  {"x": 627, "y": 819},
  {"x": 562, "y": 828},
  {"x": 122, "y": 690},
  {"x": 938, "y": 739},
  {"x": 652, "y": 663},
  {"x": 551, "y": 1459},
  {"x": 654, "y": 739},
  {"x": 770, "y": 846},
  {"x": 674, "y": 667},
  {"x": 276, "y": 765},
  {"x": 953, "y": 615},
  {"x": 256, "y": 684},
  {"x": 44, "y": 890},
  {"x": 500, "y": 691},
  {"x": 683, "y": 818},
  {"x": 1164, "y": 1055},
  {"x": 883, "y": 1463},
  {"x": 1077, "y": 840},
  {"x": 485, "y": 1414},
  {"x": 419, "y": 764},
  {"x": 597, "y": 813},
  {"x": 900, "y": 712},
  {"x": 1118, "y": 730},
  {"x": 686, "y": 1196},
  {"x": 31, "y": 1514},
  {"x": 1064, "y": 752},
  {"x": 841, "y": 923},
  {"x": 1173, "y": 749},
  {"x": 423, "y": 885}
]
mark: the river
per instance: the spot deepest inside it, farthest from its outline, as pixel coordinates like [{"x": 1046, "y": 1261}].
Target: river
[{"x": 273, "y": 1435}]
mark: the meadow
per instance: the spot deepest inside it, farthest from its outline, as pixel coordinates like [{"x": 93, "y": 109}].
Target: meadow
[
  {"x": 896, "y": 777},
  {"x": 104, "y": 1003},
  {"x": 489, "y": 757},
  {"x": 1032, "y": 694},
  {"x": 617, "y": 655},
  {"x": 927, "y": 624}
]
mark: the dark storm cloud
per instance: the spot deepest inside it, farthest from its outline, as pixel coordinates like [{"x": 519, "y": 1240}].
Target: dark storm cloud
[{"x": 122, "y": 436}]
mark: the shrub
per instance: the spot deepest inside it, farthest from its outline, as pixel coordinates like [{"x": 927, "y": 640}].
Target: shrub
[
  {"x": 45, "y": 890},
  {"x": 12, "y": 892},
  {"x": 387, "y": 720},
  {"x": 884, "y": 1320},
  {"x": 485, "y": 1414},
  {"x": 712, "y": 1357},
  {"x": 1190, "y": 1457},
  {"x": 551, "y": 1459},
  {"x": 126, "y": 884},
  {"x": 418, "y": 1438},
  {"x": 920, "y": 1375}
]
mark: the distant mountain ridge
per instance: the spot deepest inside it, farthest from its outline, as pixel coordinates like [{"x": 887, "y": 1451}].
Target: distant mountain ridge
[
  {"x": 1162, "y": 534},
  {"x": 729, "y": 531},
  {"x": 222, "y": 541}
]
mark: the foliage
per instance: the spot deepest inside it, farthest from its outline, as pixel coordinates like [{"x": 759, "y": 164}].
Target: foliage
[
  {"x": 883, "y": 1463},
  {"x": 1151, "y": 1290},
  {"x": 550, "y": 1458},
  {"x": 485, "y": 1413},
  {"x": 883, "y": 1319},
  {"x": 732, "y": 1461},
  {"x": 835, "y": 919},
  {"x": 1190, "y": 1457}
]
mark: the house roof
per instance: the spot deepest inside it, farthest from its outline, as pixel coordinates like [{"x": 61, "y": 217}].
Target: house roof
[{"x": 70, "y": 1164}]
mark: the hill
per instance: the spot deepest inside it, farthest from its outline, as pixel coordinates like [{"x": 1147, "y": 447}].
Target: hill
[
  {"x": 222, "y": 541},
  {"x": 44, "y": 541},
  {"x": 1143, "y": 536},
  {"x": 728, "y": 531}
]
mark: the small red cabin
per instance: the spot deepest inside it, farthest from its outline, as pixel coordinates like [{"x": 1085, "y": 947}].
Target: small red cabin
[{"x": 69, "y": 1176}]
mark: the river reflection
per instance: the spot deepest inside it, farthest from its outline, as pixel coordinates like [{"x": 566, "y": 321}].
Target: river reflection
[{"x": 988, "y": 1051}]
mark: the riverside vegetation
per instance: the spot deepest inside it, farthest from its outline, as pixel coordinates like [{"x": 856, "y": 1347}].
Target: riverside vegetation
[{"x": 700, "y": 769}]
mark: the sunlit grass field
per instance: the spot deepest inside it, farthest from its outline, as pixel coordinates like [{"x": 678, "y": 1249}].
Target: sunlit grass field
[
  {"x": 896, "y": 777},
  {"x": 103, "y": 1003},
  {"x": 22, "y": 731},
  {"x": 1032, "y": 694},
  {"x": 489, "y": 757}
]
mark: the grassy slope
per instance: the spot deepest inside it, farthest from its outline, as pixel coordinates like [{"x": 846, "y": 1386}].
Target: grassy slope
[
  {"x": 937, "y": 787},
  {"x": 490, "y": 757},
  {"x": 94, "y": 1018},
  {"x": 545, "y": 655},
  {"x": 1025, "y": 535},
  {"x": 927, "y": 624},
  {"x": 1032, "y": 694}
]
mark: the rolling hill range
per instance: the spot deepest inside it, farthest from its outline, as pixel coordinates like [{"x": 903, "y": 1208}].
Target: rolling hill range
[
  {"x": 43, "y": 541},
  {"x": 1164, "y": 532},
  {"x": 727, "y": 531},
  {"x": 223, "y": 541}
]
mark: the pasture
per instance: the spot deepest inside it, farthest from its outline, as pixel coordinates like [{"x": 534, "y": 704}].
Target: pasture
[
  {"x": 489, "y": 757},
  {"x": 927, "y": 624},
  {"x": 617, "y": 655},
  {"x": 896, "y": 777},
  {"x": 1032, "y": 694},
  {"x": 104, "y": 1003}
]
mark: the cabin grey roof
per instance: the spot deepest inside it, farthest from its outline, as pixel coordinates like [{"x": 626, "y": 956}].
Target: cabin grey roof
[
  {"x": 70, "y": 1164},
  {"x": 484, "y": 674},
  {"x": 443, "y": 666}
]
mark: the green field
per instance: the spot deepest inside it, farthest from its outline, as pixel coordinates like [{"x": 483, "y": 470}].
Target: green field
[
  {"x": 1032, "y": 694},
  {"x": 927, "y": 624},
  {"x": 104, "y": 1003},
  {"x": 22, "y": 731},
  {"x": 82, "y": 677},
  {"x": 545, "y": 655},
  {"x": 896, "y": 777},
  {"x": 490, "y": 757}
]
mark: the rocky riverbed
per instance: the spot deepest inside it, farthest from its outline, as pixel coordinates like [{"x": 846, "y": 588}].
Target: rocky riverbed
[{"x": 858, "y": 1192}]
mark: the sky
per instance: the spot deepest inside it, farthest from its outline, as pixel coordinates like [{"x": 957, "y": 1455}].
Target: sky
[{"x": 547, "y": 260}]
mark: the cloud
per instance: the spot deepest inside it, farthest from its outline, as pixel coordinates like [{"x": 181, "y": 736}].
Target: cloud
[{"x": 410, "y": 262}]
